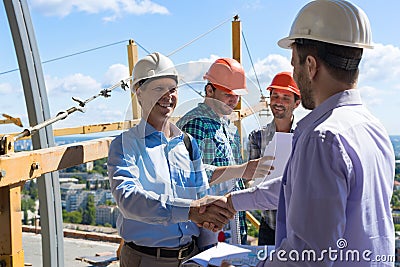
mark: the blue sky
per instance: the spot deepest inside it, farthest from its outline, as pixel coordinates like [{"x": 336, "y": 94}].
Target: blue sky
[{"x": 67, "y": 27}]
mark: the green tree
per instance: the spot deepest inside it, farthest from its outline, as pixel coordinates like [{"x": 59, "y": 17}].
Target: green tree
[
  {"x": 27, "y": 204},
  {"x": 25, "y": 220},
  {"x": 395, "y": 201},
  {"x": 252, "y": 230},
  {"x": 109, "y": 203},
  {"x": 107, "y": 184},
  {"x": 72, "y": 217},
  {"x": 99, "y": 166},
  {"x": 33, "y": 190},
  {"x": 89, "y": 212}
]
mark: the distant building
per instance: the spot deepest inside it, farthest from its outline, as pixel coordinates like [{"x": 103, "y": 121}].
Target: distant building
[
  {"x": 76, "y": 199},
  {"x": 397, "y": 253},
  {"x": 107, "y": 214},
  {"x": 68, "y": 180},
  {"x": 89, "y": 166},
  {"x": 81, "y": 175},
  {"x": 396, "y": 216}
]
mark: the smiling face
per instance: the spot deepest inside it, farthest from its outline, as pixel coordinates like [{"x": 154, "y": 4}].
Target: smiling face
[
  {"x": 158, "y": 99},
  {"x": 223, "y": 103},
  {"x": 282, "y": 103}
]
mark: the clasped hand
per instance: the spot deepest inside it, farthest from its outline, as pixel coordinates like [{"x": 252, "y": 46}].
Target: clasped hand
[{"x": 212, "y": 212}]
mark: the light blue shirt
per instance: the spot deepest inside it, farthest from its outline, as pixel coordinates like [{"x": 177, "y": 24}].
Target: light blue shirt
[
  {"x": 153, "y": 182},
  {"x": 336, "y": 189}
]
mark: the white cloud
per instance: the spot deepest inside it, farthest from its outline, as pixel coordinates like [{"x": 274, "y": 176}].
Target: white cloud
[
  {"x": 254, "y": 5},
  {"x": 371, "y": 96},
  {"x": 268, "y": 67},
  {"x": 380, "y": 64},
  {"x": 115, "y": 73},
  {"x": 117, "y": 8},
  {"x": 80, "y": 85},
  {"x": 5, "y": 89},
  {"x": 192, "y": 72}
]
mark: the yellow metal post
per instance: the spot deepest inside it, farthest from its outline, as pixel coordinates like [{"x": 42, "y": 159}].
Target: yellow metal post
[
  {"x": 237, "y": 54},
  {"x": 132, "y": 59}
]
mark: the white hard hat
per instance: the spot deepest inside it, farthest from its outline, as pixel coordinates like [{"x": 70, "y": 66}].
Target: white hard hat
[
  {"x": 152, "y": 66},
  {"x": 332, "y": 21}
]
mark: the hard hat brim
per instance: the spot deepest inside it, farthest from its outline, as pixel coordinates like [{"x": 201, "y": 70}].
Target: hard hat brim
[
  {"x": 269, "y": 88},
  {"x": 287, "y": 42},
  {"x": 240, "y": 91}
]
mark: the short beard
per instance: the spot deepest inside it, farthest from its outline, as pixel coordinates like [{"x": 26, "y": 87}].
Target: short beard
[{"x": 307, "y": 95}]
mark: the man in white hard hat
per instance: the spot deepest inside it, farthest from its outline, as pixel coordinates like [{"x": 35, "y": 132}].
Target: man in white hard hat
[
  {"x": 334, "y": 203},
  {"x": 155, "y": 179}
]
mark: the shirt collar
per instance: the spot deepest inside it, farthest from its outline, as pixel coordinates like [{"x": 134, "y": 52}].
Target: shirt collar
[
  {"x": 272, "y": 125},
  {"x": 348, "y": 97},
  {"x": 144, "y": 129}
]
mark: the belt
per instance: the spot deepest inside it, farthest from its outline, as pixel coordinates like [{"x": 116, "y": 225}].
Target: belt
[{"x": 179, "y": 253}]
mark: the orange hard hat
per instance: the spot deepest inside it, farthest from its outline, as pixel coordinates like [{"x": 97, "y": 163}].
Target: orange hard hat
[
  {"x": 228, "y": 75},
  {"x": 284, "y": 80}
]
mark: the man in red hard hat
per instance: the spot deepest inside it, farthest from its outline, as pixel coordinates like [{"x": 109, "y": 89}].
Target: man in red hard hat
[{"x": 284, "y": 99}]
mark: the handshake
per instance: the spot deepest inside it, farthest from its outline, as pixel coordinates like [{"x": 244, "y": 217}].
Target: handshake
[{"x": 212, "y": 212}]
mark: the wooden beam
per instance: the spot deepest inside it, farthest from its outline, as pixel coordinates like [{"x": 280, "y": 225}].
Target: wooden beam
[
  {"x": 252, "y": 220},
  {"x": 22, "y": 166},
  {"x": 11, "y": 252},
  {"x": 132, "y": 59}
]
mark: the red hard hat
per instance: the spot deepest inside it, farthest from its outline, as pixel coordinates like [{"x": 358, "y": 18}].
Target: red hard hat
[
  {"x": 284, "y": 80},
  {"x": 228, "y": 75}
]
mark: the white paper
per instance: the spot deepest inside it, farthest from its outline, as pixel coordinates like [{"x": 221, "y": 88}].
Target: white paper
[
  {"x": 237, "y": 255},
  {"x": 220, "y": 250},
  {"x": 280, "y": 147}
]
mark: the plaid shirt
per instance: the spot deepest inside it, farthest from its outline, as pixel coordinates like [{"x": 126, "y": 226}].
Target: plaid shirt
[
  {"x": 258, "y": 141},
  {"x": 219, "y": 141}
]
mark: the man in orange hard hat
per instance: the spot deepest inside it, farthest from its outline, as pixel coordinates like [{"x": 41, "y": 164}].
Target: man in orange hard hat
[
  {"x": 284, "y": 99},
  {"x": 217, "y": 137}
]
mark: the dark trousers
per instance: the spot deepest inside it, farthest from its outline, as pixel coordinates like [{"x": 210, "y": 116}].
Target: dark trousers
[
  {"x": 132, "y": 258},
  {"x": 266, "y": 235}
]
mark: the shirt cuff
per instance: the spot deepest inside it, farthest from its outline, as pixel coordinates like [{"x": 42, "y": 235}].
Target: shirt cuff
[
  {"x": 243, "y": 199},
  {"x": 180, "y": 210}
]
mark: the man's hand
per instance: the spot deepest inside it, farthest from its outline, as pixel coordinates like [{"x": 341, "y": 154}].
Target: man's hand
[
  {"x": 258, "y": 168},
  {"x": 213, "y": 210},
  {"x": 228, "y": 205},
  {"x": 226, "y": 264}
]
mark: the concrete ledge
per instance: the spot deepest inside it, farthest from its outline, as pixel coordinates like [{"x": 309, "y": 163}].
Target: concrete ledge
[{"x": 94, "y": 236}]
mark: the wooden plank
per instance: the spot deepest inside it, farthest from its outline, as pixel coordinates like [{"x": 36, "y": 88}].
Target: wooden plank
[
  {"x": 11, "y": 251},
  {"x": 252, "y": 220},
  {"x": 98, "y": 260},
  {"x": 22, "y": 166}
]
